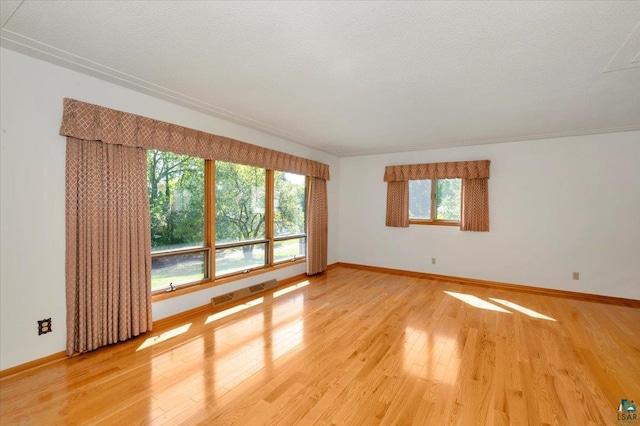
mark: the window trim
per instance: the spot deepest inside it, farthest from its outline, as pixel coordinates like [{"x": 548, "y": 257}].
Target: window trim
[
  {"x": 434, "y": 207},
  {"x": 437, "y": 222},
  {"x": 211, "y": 247}
]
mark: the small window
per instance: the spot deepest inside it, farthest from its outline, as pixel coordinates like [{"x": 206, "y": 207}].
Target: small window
[{"x": 434, "y": 202}]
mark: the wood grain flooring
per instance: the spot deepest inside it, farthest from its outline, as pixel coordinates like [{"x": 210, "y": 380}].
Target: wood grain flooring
[{"x": 353, "y": 347}]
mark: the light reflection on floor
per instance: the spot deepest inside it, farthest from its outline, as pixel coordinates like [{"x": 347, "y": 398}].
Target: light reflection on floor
[
  {"x": 247, "y": 346},
  {"x": 242, "y": 347},
  {"x": 239, "y": 351},
  {"x": 430, "y": 357}
]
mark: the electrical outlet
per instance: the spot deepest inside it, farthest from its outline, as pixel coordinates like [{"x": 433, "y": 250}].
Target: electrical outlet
[
  {"x": 44, "y": 326},
  {"x": 433, "y": 260},
  {"x": 576, "y": 275}
]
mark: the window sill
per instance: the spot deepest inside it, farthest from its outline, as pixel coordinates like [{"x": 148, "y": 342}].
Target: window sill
[
  {"x": 190, "y": 288},
  {"x": 434, "y": 222}
]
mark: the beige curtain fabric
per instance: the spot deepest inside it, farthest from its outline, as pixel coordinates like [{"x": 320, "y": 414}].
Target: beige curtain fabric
[
  {"x": 108, "y": 244},
  {"x": 92, "y": 122},
  {"x": 317, "y": 226},
  {"x": 398, "y": 204},
  {"x": 451, "y": 170},
  {"x": 475, "y": 205}
]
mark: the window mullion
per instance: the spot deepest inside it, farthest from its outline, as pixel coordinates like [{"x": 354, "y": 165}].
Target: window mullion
[
  {"x": 210, "y": 214},
  {"x": 269, "y": 216},
  {"x": 434, "y": 191}
]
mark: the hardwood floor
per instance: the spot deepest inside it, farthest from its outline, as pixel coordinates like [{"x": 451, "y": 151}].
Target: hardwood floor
[{"x": 354, "y": 347}]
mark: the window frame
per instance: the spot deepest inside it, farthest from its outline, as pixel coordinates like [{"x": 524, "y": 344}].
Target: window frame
[
  {"x": 210, "y": 246},
  {"x": 180, "y": 252},
  {"x": 271, "y": 192},
  {"x": 434, "y": 207}
]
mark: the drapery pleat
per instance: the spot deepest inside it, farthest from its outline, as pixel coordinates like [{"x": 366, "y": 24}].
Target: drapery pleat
[
  {"x": 398, "y": 204},
  {"x": 93, "y": 122},
  {"x": 108, "y": 244},
  {"x": 317, "y": 226},
  {"x": 474, "y": 215}
]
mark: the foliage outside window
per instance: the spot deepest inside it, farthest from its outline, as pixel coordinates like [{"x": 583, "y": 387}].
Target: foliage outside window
[
  {"x": 241, "y": 212},
  {"x": 434, "y": 201},
  {"x": 176, "y": 205},
  {"x": 259, "y": 218},
  {"x": 289, "y": 216}
]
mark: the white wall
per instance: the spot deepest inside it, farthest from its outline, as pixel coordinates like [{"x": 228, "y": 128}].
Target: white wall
[
  {"x": 32, "y": 231},
  {"x": 556, "y": 206}
]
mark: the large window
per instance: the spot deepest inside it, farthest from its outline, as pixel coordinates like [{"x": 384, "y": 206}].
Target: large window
[
  {"x": 216, "y": 219},
  {"x": 434, "y": 201}
]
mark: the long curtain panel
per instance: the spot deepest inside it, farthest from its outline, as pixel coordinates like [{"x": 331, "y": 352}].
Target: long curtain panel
[
  {"x": 108, "y": 247},
  {"x": 474, "y": 215},
  {"x": 398, "y": 204},
  {"x": 317, "y": 226}
]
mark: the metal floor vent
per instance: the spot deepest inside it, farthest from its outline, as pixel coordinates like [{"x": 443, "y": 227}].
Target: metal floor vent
[{"x": 243, "y": 293}]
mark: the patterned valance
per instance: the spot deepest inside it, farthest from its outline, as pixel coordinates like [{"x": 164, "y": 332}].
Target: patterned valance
[
  {"x": 86, "y": 121},
  {"x": 450, "y": 170}
]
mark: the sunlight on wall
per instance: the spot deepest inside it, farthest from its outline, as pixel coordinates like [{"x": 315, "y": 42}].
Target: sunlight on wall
[
  {"x": 476, "y": 302},
  {"x": 522, "y": 309}
]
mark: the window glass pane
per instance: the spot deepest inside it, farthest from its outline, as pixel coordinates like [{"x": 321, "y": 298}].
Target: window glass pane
[
  {"x": 177, "y": 269},
  {"x": 448, "y": 199},
  {"x": 419, "y": 199},
  {"x": 289, "y": 249},
  {"x": 238, "y": 259},
  {"x": 288, "y": 204},
  {"x": 175, "y": 184},
  {"x": 240, "y": 202}
]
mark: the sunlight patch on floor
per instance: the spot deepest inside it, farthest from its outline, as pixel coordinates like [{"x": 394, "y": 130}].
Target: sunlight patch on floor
[
  {"x": 526, "y": 311},
  {"x": 235, "y": 309},
  {"x": 476, "y": 302},
  {"x": 290, "y": 289},
  {"x": 164, "y": 336}
]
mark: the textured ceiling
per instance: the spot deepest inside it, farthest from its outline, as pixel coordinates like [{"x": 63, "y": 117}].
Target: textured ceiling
[{"x": 355, "y": 78}]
